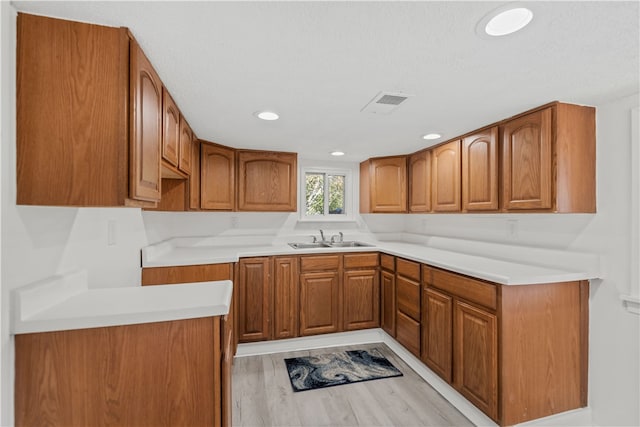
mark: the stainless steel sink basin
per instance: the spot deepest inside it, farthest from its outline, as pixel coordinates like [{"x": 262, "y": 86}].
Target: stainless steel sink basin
[
  {"x": 309, "y": 245},
  {"x": 349, "y": 244}
]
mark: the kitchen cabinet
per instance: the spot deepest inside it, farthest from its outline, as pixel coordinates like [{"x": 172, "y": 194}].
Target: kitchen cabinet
[
  {"x": 193, "y": 182},
  {"x": 383, "y": 185},
  {"x": 170, "y": 129},
  {"x": 361, "y": 287},
  {"x": 419, "y": 167},
  {"x": 89, "y": 116},
  {"x": 186, "y": 274},
  {"x": 505, "y": 381},
  {"x": 217, "y": 177},
  {"x": 480, "y": 171},
  {"x": 408, "y": 304},
  {"x": 437, "y": 332},
  {"x": 186, "y": 146},
  {"x": 267, "y": 181},
  {"x": 254, "y": 293},
  {"x": 285, "y": 297},
  {"x": 445, "y": 177},
  {"x": 388, "y": 293},
  {"x": 162, "y": 374},
  {"x": 548, "y": 160},
  {"x": 320, "y": 296}
]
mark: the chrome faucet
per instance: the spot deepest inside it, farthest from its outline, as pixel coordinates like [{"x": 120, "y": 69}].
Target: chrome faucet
[
  {"x": 336, "y": 235},
  {"x": 322, "y": 236}
]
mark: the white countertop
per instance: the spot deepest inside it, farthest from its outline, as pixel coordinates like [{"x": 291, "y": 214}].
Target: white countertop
[
  {"x": 65, "y": 302},
  {"x": 541, "y": 266}
]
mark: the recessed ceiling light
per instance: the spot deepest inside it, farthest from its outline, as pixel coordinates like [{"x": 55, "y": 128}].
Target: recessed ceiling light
[
  {"x": 267, "y": 115},
  {"x": 432, "y": 136},
  {"x": 504, "y": 20},
  {"x": 337, "y": 153}
]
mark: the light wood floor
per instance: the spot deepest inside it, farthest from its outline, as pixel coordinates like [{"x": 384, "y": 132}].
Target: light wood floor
[{"x": 262, "y": 396}]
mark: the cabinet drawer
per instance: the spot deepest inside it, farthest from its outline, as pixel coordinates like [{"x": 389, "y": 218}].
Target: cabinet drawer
[
  {"x": 408, "y": 269},
  {"x": 360, "y": 260},
  {"x": 482, "y": 293},
  {"x": 408, "y": 333},
  {"x": 319, "y": 262},
  {"x": 408, "y": 297},
  {"x": 427, "y": 274},
  {"x": 387, "y": 262}
]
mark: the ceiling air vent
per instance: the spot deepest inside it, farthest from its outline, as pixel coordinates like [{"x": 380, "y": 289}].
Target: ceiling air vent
[{"x": 385, "y": 103}]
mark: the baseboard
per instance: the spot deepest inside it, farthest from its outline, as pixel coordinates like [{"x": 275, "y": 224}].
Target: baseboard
[{"x": 577, "y": 417}]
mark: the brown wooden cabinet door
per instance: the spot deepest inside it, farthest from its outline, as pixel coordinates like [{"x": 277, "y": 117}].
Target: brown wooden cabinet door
[
  {"x": 445, "y": 177},
  {"x": 254, "y": 299},
  {"x": 361, "y": 299},
  {"x": 388, "y": 186},
  {"x": 475, "y": 350},
  {"x": 320, "y": 303},
  {"x": 146, "y": 128},
  {"x": 267, "y": 181},
  {"x": 285, "y": 297},
  {"x": 527, "y": 161},
  {"x": 194, "y": 178},
  {"x": 408, "y": 333},
  {"x": 437, "y": 330},
  {"x": 388, "y": 293},
  {"x": 408, "y": 297},
  {"x": 480, "y": 171},
  {"x": 217, "y": 177},
  {"x": 170, "y": 129},
  {"x": 186, "y": 147},
  {"x": 420, "y": 182}
]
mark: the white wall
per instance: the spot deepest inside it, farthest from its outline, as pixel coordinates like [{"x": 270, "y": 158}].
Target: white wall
[{"x": 614, "y": 376}]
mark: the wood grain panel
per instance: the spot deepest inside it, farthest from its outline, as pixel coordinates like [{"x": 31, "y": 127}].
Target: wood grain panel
[
  {"x": 388, "y": 262},
  {"x": 170, "y": 129},
  {"x": 365, "y": 188},
  {"x": 419, "y": 166},
  {"x": 194, "y": 178},
  {"x": 320, "y": 262},
  {"x": 254, "y": 299},
  {"x": 408, "y": 297},
  {"x": 285, "y": 297},
  {"x": 480, "y": 171},
  {"x": 408, "y": 333},
  {"x": 186, "y": 147},
  {"x": 320, "y": 303},
  {"x": 410, "y": 269},
  {"x": 474, "y": 290},
  {"x": 186, "y": 274},
  {"x": 446, "y": 177},
  {"x": 360, "y": 260},
  {"x": 72, "y": 111},
  {"x": 154, "y": 374},
  {"x": 217, "y": 172},
  {"x": 388, "y": 310},
  {"x": 475, "y": 353},
  {"x": 267, "y": 181},
  {"x": 145, "y": 138},
  {"x": 527, "y": 175},
  {"x": 388, "y": 184},
  {"x": 437, "y": 332},
  {"x": 543, "y": 359},
  {"x": 174, "y": 196},
  {"x": 361, "y": 299}
]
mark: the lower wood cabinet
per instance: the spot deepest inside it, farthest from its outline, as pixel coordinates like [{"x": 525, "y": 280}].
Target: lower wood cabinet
[
  {"x": 388, "y": 294},
  {"x": 408, "y": 304},
  {"x": 361, "y": 291},
  {"x": 172, "y": 373},
  {"x": 437, "y": 332},
  {"x": 285, "y": 297},
  {"x": 254, "y": 298},
  {"x": 320, "y": 303}
]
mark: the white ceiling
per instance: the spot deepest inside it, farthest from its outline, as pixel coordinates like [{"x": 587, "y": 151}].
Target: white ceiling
[{"x": 318, "y": 63}]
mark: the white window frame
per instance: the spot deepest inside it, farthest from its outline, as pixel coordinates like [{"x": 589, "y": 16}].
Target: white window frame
[
  {"x": 632, "y": 300},
  {"x": 348, "y": 195}
]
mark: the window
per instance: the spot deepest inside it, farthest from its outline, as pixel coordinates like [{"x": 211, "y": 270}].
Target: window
[{"x": 326, "y": 194}]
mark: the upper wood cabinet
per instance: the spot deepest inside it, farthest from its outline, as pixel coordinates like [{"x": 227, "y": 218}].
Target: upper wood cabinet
[
  {"x": 194, "y": 177},
  {"x": 170, "y": 129},
  {"x": 383, "y": 185},
  {"x": 217, "y": 177},
  {"x": 445, "y": 177},
  {"x": 419, "y": 166},
  {"x": 185, "y": 163},
  {"x": 480, "y": 171},
  {"x": 89, "y": 116},
  {"x": 267, "y": 181},
  {"x": 548, "y": 160}
]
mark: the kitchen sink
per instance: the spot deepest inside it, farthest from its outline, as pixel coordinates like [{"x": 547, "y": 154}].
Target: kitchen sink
[
  {"x": 309, "y": 245},
  {"x": 349, "y": 244}
]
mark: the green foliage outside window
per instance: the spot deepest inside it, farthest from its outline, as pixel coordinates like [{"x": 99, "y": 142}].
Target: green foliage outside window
[{"x": 316, "y": 186}]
